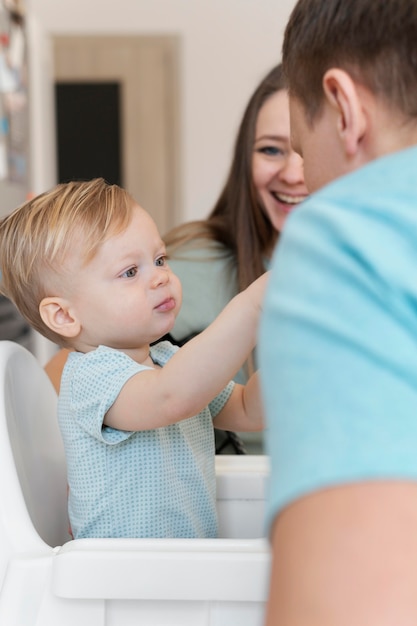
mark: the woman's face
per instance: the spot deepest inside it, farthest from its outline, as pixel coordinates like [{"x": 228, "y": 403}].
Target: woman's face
[{"x": 277, "y": 171}]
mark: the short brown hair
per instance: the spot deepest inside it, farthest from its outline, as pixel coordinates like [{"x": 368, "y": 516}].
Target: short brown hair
[
  {"x": 37, "y": 236},
  {"x": 374, "y": 40}
]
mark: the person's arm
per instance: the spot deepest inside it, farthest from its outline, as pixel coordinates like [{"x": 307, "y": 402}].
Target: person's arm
[
  {"x": 346, "y": 556},
  {"x": 243, "y": 411},
  {"x": 196, "y": 373},
  {"x": 208, "y": 284},
  {"x": 55, "y": 366}
]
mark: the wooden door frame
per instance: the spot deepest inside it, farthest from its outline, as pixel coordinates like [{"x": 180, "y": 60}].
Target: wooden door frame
[{"x": 157, "y": 60}]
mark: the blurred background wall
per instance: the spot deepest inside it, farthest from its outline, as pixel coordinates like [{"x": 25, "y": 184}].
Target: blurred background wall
[
  {"x": 198, "y": 63},
  {"x": 225, "y": 47}
]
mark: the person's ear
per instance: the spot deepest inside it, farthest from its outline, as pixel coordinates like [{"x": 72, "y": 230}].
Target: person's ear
[
  {"x": 342, "y": 94},
  {"x": 57, "y": 315}
]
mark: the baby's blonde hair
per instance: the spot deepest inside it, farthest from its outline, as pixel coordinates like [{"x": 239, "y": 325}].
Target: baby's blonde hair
[{"x": 37, "y": 236}]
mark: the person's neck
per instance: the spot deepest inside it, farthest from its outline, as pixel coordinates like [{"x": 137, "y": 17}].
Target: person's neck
[{"x": 392, "y": 132}]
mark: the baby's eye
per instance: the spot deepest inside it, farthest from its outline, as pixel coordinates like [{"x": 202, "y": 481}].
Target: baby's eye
[
  {"x": 130, "y": 273},
  {"x": 161, "y": 261}
]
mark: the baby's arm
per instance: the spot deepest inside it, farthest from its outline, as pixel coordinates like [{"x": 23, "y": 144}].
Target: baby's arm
[
  {"x": 243, "y": 411},
  {"x": 196, "y": 373}
]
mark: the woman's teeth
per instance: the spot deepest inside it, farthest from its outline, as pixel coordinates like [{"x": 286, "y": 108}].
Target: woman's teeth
[{"x": 282, "y": 197}]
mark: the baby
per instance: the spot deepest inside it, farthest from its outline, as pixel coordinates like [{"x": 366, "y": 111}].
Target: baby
[{"x": 86, "y": 266}]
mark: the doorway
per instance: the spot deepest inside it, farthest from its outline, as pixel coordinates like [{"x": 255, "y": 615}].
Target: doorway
[
  {"x": 133, "y": 79},
  {"x": 89, "y": 142}
]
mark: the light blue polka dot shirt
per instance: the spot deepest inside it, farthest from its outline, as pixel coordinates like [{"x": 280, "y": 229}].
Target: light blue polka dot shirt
[{"x": 154, "y": 483}]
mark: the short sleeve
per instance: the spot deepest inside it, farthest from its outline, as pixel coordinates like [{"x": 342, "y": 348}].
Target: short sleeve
[{"x": 96, "y": 380}]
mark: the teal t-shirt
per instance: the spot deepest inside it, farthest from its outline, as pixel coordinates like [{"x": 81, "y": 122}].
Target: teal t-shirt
[
  {"x": 338, "y": 337},
  {"x": 209, "y": 281}
]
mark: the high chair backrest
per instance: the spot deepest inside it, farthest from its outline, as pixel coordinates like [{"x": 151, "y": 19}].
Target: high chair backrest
[{"x": 33, "y": 503}]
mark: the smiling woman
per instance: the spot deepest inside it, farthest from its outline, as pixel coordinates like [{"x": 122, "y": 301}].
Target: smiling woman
[
  {"x": 220, "y": 256},
  {"x": 276, "y": 169}
]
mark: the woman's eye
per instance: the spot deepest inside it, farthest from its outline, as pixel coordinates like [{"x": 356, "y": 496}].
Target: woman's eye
[
  {"x": 270, "y": 151},
  {"x": 161, "y": 261},
  {"x": 130, "y": 273}
]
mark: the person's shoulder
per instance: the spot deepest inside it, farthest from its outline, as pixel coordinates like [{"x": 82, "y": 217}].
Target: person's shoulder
[
  {"x": 199, "y": 249},
  {"x": 203, "y": 266}
]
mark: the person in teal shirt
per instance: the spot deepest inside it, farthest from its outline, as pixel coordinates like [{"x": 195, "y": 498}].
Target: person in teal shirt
[
  {"x": 221, "y": 255},
  {"x": 338, "y": 337}
]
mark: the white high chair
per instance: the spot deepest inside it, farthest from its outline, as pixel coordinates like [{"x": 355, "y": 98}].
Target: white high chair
[{"x": 46, "y": 579}]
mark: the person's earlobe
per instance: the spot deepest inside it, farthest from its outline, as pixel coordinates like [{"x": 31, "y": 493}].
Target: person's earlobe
[
  {"x": 342, "y": 94},
  {"x": 56, "y": 314}
]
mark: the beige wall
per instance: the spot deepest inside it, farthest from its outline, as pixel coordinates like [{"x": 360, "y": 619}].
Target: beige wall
[
  {"x": 11, "y": 195},
  {"x": 226, "y": 47}
]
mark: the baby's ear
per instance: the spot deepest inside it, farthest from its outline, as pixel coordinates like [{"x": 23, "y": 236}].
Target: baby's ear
[{"x": 56, "y": 314}]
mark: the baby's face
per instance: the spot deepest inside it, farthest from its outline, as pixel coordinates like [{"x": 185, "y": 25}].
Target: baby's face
[{"x": 127, "y": 296}]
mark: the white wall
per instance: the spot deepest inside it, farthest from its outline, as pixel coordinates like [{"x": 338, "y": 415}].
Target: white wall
[{"x": 226, "y": 48}]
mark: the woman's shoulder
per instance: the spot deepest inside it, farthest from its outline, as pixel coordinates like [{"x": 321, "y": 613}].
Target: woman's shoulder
[
  {"x": 204, "y": 268},
  {"x": 200, "y": 249},
  {"x": 209, "y": 281},
  {"x": 202, "y": 260}
]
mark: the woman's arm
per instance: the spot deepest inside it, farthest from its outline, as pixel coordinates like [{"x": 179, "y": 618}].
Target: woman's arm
[
  {"x": 243, "y": 411},
  {"x": 55, "y": 366}
]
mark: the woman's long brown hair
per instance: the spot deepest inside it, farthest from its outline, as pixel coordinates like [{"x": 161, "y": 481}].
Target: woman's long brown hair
[{"x": 238, "y": 219}]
